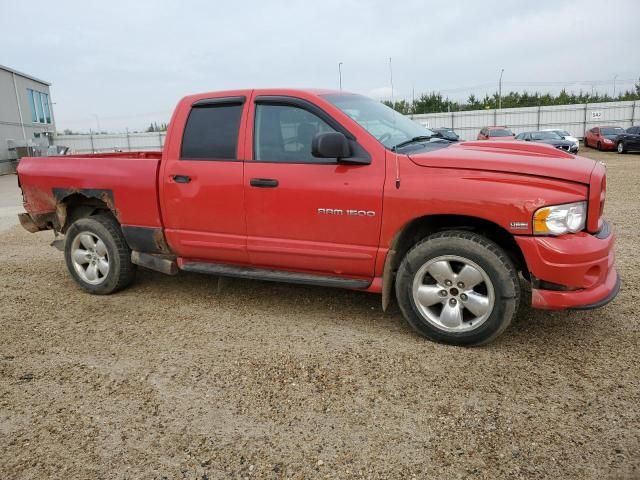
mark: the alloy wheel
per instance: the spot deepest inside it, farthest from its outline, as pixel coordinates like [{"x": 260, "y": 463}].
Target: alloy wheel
[
  {"x": 90, "y": 258},
  {"x": 453, "y": 293}
]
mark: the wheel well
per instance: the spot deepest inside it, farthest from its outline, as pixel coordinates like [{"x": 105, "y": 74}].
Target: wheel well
[
  {"x": 76, "y": 206},
  {"x": 422, "y": 227}
]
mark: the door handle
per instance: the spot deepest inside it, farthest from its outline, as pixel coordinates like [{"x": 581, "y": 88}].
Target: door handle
[
  {"x": 181, "y": 178},
  {"x": 264, "y": 182}
]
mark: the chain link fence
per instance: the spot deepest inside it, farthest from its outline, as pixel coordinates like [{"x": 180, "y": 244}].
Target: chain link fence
[{"x": 116, "y": 142}]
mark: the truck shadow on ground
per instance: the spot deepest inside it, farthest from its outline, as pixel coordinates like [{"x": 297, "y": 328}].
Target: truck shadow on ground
[{"x": 322, "y": 307}]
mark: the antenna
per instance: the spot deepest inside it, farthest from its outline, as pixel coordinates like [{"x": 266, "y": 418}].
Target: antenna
[{"x": 395, "y": 154}]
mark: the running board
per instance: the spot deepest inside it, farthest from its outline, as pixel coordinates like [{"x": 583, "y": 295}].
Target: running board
[
  {"x": 160, "y": 263},
  {"x": 273, "y": 275}
]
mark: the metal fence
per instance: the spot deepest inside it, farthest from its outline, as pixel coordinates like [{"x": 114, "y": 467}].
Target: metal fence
[
  {"x": 576, "y": 119},
  {"x": 125, "y": 142}
]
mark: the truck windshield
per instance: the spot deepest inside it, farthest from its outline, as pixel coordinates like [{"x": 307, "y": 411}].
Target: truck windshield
[{"x": 388, "y": 126}]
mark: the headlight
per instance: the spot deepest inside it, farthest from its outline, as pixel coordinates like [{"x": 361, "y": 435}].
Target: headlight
[
  {"x": 559, "y": 219},
  {"x": 607, "y": 140}
]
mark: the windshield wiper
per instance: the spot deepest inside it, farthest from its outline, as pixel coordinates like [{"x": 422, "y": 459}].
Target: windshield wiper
[{"x": 420, "y": 138}]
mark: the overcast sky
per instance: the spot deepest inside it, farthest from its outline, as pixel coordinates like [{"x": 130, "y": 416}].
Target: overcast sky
[{"x": 128, "y": 62}]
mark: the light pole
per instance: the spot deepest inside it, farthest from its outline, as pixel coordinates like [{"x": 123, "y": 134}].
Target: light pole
[
  {"x": 391, "y": 78},
  {"x": 340, "y": 74},
  {"x": 500, "y": 90},
  {"x": 97, "y": 121},
  {"x": 614, "y": 85}
]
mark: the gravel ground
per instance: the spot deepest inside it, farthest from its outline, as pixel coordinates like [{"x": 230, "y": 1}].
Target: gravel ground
[
  {"x": 185, "y": 377},
  {"x": 10, "y": 202}
]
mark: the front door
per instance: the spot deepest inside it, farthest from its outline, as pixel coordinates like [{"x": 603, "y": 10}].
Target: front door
[
  {"x": 201, "y": 183},
  {"x": 305, "y": 213}
]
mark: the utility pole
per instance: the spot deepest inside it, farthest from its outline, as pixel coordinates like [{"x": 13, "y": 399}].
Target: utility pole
[
  {"x": 614, "y": 85},
  {"x": 413, "y": 100},
  {"x": 391, "y": 78},
  {"x": 500, "y": 90},
  {"x": 340, "y": 74}
]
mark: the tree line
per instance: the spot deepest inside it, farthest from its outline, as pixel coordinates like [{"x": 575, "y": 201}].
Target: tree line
[
  {"x": 435, "y": 102},
  {"x": 154, "y": 127}
]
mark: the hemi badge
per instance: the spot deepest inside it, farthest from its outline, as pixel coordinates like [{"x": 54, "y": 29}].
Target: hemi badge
[{"x": 519, "y": 225}]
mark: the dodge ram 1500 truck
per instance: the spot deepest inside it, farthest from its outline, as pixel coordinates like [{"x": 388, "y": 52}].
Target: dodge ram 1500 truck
[{"x": 335, "y": 189}]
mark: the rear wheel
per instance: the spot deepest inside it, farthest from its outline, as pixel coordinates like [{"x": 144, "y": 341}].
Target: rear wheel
[
  {"x": 458, "y": 287},
  {"x": 98, "y": 256},
  {"x": 586, "y": 144},
  {"x": 621, "y": 147}
]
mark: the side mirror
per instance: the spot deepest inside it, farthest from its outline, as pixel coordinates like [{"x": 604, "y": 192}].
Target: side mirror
[{"x": 330, "y": 145}]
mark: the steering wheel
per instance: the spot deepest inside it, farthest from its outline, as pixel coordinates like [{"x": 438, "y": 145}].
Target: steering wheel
[{"x": 384, "y": 137}]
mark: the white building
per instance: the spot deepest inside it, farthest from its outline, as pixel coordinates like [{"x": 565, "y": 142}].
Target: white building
[{"x": 26, "y": 116}]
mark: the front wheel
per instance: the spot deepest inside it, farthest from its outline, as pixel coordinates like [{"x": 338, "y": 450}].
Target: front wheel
[
  {"x": 621, "y": 147},
  {"x": 98, "y": 256},
  {"x": 458, "y": 287}
]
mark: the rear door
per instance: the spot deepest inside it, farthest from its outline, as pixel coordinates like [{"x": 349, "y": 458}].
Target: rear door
[
  {"x": 201, "y": 186},
  {"x": 305, "y": 213}
]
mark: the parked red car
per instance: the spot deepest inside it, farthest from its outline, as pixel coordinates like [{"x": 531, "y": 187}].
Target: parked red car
[
  {"x": 337, "y": 190},
  {"x": 602, "y": 138},
  {"x": 496, "y": 133}
]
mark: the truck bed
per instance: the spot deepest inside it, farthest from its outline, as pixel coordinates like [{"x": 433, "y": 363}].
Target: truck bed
[{"x": 126, "y": 181}]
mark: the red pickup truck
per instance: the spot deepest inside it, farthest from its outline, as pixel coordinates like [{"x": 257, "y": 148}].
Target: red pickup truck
[{"x": 334, "y": 189}]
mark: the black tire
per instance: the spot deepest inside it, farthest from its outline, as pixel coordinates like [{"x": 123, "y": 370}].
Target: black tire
[
  {"x": 479, "y": 250},
  {"x": 584, "y": 141},
  {"x": 121, "y": 272},
  {"x": 621, "y": 148},
  {"x": 599, "y": 147}
]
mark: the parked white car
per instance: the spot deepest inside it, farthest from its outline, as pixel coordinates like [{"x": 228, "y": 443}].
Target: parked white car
[{"x": 565, "y": 136}]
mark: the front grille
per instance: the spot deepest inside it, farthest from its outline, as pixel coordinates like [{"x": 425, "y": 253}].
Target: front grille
[{"x": 566, "y": 148}]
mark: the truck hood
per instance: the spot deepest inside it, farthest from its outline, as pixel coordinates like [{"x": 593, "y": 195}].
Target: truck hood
[{"x": 510, "y": 156}]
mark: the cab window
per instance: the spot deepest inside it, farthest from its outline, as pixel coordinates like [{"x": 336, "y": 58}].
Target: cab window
[
  {"x": 211, "y": 132},
  {"x": 283, "y": 133}
]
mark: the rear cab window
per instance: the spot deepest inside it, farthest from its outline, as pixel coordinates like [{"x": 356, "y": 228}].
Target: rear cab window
[{"x": 211, "y": 131}]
